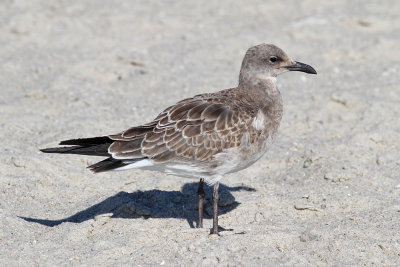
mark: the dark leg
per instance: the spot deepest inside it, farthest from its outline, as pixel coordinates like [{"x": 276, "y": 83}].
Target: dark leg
[
  {"x": 200, "y": 195},
  {"x": 215, "y": 209}
]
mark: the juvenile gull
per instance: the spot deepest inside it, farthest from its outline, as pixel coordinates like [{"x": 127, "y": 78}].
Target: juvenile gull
[{"x": 206, "y": 136}]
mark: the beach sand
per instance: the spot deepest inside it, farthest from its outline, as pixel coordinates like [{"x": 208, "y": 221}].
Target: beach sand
[{"x": 327, "y": 192}]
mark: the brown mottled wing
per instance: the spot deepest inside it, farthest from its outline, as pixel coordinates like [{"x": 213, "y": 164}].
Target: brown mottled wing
[{"x": 193, "y": 129}]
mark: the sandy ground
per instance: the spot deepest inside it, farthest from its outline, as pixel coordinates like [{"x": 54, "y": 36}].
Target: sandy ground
[{"x": 326, "y": 193}]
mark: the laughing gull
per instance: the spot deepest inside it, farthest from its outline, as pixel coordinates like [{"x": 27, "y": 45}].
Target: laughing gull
[{"x": 206, "y": 136}]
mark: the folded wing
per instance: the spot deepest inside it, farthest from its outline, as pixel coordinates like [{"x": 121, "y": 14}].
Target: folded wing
[{"x": 193, "y": 129}]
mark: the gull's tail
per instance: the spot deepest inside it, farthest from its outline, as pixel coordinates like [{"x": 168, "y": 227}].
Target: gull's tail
[{"x": 95, "y": 146}]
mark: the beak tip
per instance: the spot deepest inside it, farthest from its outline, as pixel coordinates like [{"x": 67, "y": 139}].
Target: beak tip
[{"x": 298, "y": 66}]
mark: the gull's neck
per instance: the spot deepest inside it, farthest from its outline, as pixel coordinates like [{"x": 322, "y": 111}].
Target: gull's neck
[
  {"x": 260, "y": 91},
  {"x": 259, "y": 84}
]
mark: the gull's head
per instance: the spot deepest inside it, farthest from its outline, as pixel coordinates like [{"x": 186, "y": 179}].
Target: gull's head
[{"x": 267, "y": 60}]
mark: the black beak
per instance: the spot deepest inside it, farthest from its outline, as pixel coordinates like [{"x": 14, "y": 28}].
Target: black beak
[{"x": 298, "y": 66}]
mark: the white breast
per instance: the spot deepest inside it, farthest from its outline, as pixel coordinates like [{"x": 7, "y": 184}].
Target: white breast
[{"x": 258, "y": 122}]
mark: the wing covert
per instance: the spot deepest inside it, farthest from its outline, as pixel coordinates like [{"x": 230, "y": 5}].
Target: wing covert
[{"x": 192, "y": 129}]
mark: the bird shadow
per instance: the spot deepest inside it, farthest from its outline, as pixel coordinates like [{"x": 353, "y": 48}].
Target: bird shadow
[{"x": 155, "y": 204}]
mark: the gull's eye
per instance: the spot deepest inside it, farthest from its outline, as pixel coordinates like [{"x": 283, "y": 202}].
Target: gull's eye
[{"x": 273, "y": 59}]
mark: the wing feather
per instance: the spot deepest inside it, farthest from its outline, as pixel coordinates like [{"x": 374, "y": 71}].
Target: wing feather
[{"x": 193, "y": 129}]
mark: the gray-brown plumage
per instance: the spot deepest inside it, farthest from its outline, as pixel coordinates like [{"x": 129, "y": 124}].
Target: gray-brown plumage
[{"x": 206, "y": 136}]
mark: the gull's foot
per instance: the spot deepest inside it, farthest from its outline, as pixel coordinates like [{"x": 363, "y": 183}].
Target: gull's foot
[{"x": 220, "y": 229}]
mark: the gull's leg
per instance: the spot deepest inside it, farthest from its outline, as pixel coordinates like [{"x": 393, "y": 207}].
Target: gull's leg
[
  {"x": 200, "y": 198},
  {"x": 215, "y": 208}
]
